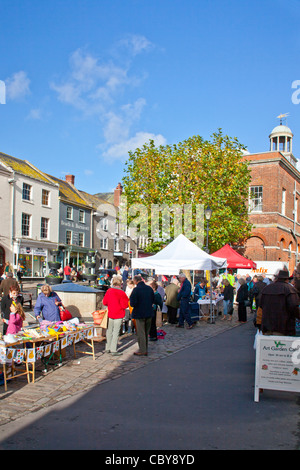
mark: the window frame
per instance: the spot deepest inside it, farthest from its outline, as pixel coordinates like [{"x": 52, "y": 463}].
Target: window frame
[
  {"x": 83, "y": 239},
  {"x": 72, "y": 212},
  {"x": 71, "y": 237},
  {"x": 45, "y": 228},
  {"x": 28, "y": 191},
  {"x": 47, "y": 197},
  {"x": 81, "y": 213},
  {"x": 23, "y": 225},
  {"x": 256, "y": 206}
]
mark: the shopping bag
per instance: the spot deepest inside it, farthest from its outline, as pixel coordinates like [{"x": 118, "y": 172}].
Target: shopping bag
[
  {"x": 159, "y": 320},
  {"x": 100, "y": 318},
  {"x": 258, "y": 333}
]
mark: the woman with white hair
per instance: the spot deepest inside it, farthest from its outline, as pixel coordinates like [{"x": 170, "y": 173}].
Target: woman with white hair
[
  {"x": 116, "y": 301},
  {"x": 47, "y": 305}
]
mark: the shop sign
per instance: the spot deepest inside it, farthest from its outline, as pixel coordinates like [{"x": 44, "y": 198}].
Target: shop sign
[
  {"x": 39, "y": 252},
  {"x": 32, "y": 251},
  {"x": 277, "y": 364},
  {"x": 25, "y": 250}
]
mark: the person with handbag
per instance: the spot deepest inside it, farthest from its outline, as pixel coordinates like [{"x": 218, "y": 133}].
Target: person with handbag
[
  {"x": 157, "y": 304},
  {"x": 116, "y": 302},
  {"x": 242, "y": 298},
  {"x": 48, "y": 305}
]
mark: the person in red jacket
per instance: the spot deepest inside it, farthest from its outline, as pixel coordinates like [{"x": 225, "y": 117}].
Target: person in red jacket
[
  {"x": 116, "y": 301},
  {"x": 67, "y": 272}
]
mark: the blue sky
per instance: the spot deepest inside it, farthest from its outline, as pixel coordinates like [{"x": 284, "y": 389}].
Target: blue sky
[{"x": 88, "y": 80}]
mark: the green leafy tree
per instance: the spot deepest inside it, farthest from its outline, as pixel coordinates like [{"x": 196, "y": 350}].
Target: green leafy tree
[{"x": 195, "y": 171}]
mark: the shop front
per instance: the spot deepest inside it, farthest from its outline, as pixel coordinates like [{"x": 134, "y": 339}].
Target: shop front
[
  {"x": 33, "y": 261},
  {"x": 75, "y": 256}
]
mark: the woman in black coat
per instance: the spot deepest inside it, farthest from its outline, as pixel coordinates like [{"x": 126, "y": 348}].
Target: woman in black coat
[{"x": 241, "y": 297}]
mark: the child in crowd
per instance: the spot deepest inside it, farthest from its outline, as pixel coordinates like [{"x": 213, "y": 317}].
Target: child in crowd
[{"x": 16, "y": 318}]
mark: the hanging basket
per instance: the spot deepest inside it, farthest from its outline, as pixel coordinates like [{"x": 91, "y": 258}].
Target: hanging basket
[
  {"x": 90, "y": 264},
  {"x": 54, "y": 264},
  {"x": 52, "y": 280}
]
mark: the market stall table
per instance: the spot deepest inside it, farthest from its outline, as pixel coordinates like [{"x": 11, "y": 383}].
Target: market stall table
[
  {"x": 207, "y": 301},
  {"x": 42, "y": 348},
  {"x": 8, "y": 365}
]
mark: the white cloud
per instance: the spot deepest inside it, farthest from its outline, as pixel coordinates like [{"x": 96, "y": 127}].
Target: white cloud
[
  {"x": 117, "y": 125},
  {"x": 88, "y": 172},
  {"x": 119, "y": 151},
  {"x": 135, "y": 43},
  {"x": 17, "y": 86},
  {"x": 91, "y": 85},
  {"x": 97, "y": 89},
  {"x": 35, "y": 114}
]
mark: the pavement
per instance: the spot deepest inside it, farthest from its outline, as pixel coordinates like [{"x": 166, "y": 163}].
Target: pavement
[
  {"x": 81, "y": 374},
  {"x": 164, "y": 410}
]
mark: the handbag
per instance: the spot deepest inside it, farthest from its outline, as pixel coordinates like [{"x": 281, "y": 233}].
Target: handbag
[
  {"x": 65, "y": 315},
  {"x": 159, "y": 319}
]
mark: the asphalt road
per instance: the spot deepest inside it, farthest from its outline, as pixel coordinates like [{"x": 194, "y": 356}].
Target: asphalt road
[{"x": 201, "y": 398}]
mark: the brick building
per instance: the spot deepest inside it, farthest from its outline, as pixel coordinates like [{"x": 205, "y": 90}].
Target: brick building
[{"x": 274, "y": 196}]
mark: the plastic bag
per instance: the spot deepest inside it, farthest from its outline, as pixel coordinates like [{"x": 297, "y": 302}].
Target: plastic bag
[{"x": 258, "y": 333}]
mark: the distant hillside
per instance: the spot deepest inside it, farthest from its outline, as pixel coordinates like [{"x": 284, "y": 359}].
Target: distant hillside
[{"x": 107, "y": 196}]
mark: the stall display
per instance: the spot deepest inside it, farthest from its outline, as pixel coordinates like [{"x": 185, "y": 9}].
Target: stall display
[{"x": 42, "y": 343}]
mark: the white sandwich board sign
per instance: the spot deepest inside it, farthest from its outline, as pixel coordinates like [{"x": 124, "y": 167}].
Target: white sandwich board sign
[{"x": 277, "y": 365}]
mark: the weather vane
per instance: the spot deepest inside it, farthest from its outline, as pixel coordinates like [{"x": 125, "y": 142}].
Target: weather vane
[{"x": 282, "y": 116}]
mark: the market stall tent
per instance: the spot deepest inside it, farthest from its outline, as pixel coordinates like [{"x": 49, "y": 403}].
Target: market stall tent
[
  {"x": 234, "y": 259},
  {"x": 180, "y": 254}
]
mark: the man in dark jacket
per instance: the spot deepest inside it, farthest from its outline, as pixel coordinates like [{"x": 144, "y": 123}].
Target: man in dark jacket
[
  {"x": 142, "y": 300},
  {"x": 7, "y": 283},
  {"x": 184, "y": 296},
  {"x": 280, "y": 307},
  {"x": 257, "y": 289}
]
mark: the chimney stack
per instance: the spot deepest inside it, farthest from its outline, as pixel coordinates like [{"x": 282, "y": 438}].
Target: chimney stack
[
  {"x": 70, "y": 179},
  {"x": 117, "y": 195}
]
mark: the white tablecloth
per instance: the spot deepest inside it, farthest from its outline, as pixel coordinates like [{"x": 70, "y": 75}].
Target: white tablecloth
[{"x": 207, "y": 301}]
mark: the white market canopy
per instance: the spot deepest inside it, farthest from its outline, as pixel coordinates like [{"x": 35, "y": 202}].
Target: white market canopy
[{"x": 180, "y": 254}]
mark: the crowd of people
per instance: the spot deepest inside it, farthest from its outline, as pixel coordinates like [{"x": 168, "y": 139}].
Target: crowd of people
[{"x": 275, "y": 303}]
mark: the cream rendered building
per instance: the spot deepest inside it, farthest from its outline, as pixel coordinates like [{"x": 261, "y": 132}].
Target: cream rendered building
[{"x": 32, "y": 225}]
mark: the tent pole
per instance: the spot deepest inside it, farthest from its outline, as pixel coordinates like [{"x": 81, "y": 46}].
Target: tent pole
[{"x": 212, "y": 319}]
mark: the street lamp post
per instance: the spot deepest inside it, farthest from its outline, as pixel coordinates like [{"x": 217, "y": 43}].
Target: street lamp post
[{"x": 208, "y": 213}]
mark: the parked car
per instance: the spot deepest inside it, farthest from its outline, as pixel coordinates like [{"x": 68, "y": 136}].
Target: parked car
[
  {"x": 142, "y": 273},
  {"x": 103, "y": 271}
]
